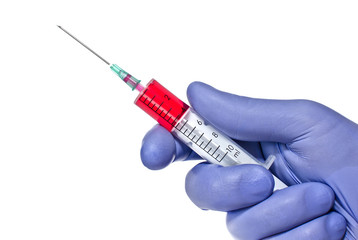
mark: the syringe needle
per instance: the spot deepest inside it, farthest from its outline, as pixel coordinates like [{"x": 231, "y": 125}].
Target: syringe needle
[
  {"x": 84, "y": 45},
  {"x": 131, "y": 81}
]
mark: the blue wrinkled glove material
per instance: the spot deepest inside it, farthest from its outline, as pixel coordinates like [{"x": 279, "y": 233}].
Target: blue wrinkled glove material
[{"x": 314, "y": 146}]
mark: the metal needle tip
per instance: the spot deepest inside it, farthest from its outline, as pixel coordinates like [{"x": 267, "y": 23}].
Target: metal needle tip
[{"x": 84, "y": 45}]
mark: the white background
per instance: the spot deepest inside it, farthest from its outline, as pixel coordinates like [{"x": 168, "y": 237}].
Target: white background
[{"x": 70, "y": 135}]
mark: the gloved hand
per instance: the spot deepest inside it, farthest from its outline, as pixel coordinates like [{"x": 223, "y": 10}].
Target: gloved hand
[{"x": 313, "y": 145}]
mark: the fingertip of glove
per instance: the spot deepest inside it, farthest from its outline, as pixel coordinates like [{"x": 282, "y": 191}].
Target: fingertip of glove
[
  {"x": 219, "y": 188},
  {"x": 336, "y": 224},
  {"x": 158, "y": 148},
  {"x": 262, "y": 182},
  {"x": 196, "y": 90},
  {"x": 321, "y": 194}
]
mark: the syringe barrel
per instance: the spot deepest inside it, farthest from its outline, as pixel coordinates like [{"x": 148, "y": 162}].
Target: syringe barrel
[
  {"x": 214, "y": 146},
  {"x": 187, "y": 126}
]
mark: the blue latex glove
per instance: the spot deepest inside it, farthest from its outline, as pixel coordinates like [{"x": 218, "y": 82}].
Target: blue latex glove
[{"x": 313, "y": 144}]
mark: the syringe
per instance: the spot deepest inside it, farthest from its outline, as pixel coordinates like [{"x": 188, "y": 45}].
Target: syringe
[{"x": 185, "y": 124}]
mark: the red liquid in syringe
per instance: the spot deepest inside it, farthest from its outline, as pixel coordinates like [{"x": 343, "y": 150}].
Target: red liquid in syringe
[{"x": 161, "y": 104}]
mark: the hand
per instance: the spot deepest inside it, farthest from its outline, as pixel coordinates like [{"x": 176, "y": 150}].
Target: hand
[{"x": 313, "y": 145}]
